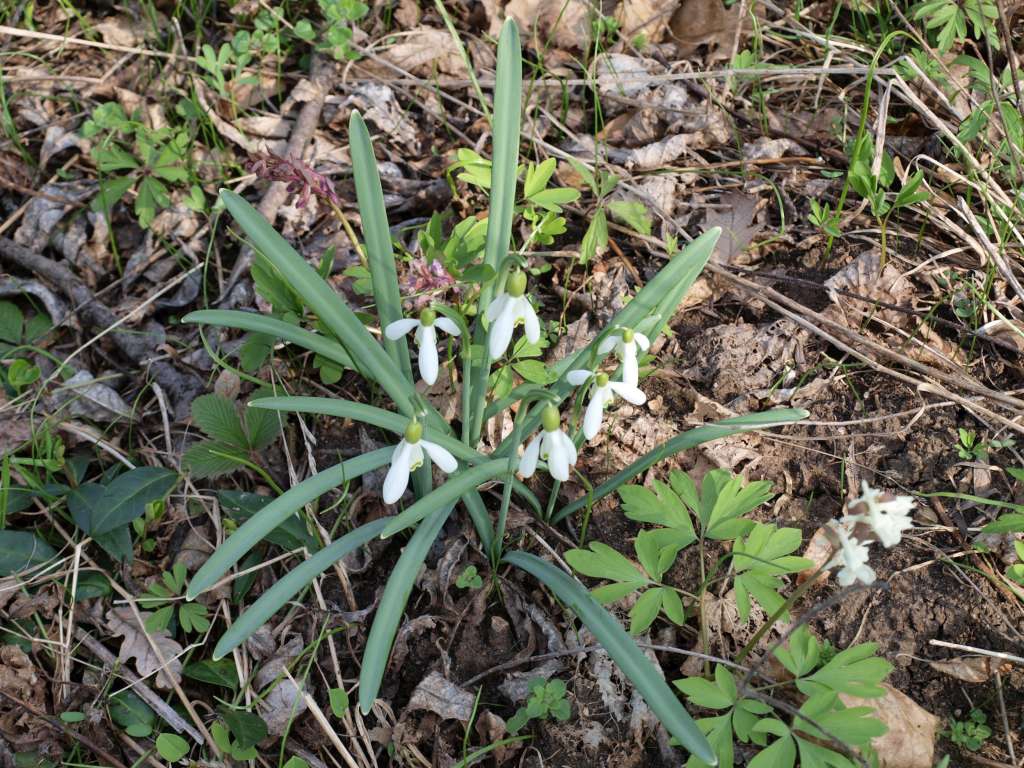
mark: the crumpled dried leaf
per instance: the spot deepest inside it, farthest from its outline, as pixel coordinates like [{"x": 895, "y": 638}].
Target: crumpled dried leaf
[
  {"x": 122, "y": 30},
  {"x": 649, "y": 18},
  {"x": 736, "y": 214},
  {"x": 706, "y": 22},
  {"x": 910, "y": 740},
  {"x": 15, "y": 429},
  {"x": 57, "y": 139},
  {"x": 619, "y": 74},
  {"x": 121, "y": 621},
  {"x": 84, "y": 396},
  {"x": 970, "y": 669},
  {"x": 765, "y": 148},
  {"x": 427, "y": 51},
  {"x": 20, "y": 679},
  {"x": 442, "y": 697},
  {"x": 54, "y": 305},
  {"x": 378, "y": 105},
  {"x": 285, "y": 701},
  {"x": 566, "y": 23},
  {"x": 45, "y": 212},
  {"x": 819, "y": 551}
]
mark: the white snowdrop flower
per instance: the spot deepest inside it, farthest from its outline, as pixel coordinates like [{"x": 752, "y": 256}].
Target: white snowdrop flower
[
  {"x": 507, "y": 310},
  {"x": 603, "y": 393},
  {"x": 552, "y": 445},
  {"x": 625, "y": 344},
  {"x": 426, "y": 338},
  {"x": 853, "y": 556},
  {"x": 408, "y": 456},
  {"x": 888, "y": 519}
]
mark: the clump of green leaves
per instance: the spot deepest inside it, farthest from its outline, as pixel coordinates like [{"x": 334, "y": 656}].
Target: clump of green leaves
[
  {"x": 469, "y": 578},
  {"x": 875, "y": 185},
  {"x": 130, "y": 156},
  {"x": 17, "y": 332},
  {"x": 235, "y": 440},
  {"x": 970, "y": 733},
  {"x": 818, "y": 683},
  {"x": 546, "y": 701},
  {"x": 336, "y": 33},
  {"x": 163, "y": 597},
  {"x": 949, "y": 20}
]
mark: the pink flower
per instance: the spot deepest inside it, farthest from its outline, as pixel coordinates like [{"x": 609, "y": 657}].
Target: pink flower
[{"x": 300, "y": 178}]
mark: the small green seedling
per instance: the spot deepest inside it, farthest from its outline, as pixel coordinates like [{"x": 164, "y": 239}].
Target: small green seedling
[
  {"x": 164, "y": 595},
  {"x": 235, "y": 439},
  {"x": 469, "y": 578},
  {"x": 547, "y": 700},
  {"x": 970, "y": 733}
]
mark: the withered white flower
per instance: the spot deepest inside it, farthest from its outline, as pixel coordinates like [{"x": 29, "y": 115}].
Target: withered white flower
[
  {"x": 426, "y": 338},
  {"x": 408, "y": 456},
  {"x": 852, "y": 556},
  {"x": 888, "y": 519}
]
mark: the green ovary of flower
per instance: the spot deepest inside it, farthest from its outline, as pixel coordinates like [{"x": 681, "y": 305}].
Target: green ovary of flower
[
  {"x": 550, "y": 418},
  {"x": 516, "y": 285},
  {"x": 413, "y": 432},
  {"x": 427, "y": 317}
]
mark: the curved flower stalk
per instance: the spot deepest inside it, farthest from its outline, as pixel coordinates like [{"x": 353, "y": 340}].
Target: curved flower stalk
[
  {"x": 625, "y": 344},
  {"x": 601, "y": 396},
  {"x": 408, "y": 456},
  {"x": 552, "y": 445},
  {"x": 508, "y": 309},
  {"x": 426, "y": 338}
]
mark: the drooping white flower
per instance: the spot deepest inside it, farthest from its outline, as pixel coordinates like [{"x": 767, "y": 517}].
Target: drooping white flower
[
  {"x": 888, "y": 519},
  {"x": 853, "y": 556},
  {"x": 408, "y": 456},
  {"x": 507, "y": 310},
  {"x": 625, "y": 344},
  {"x": 603, "y": 393},
  {"x": 552, "y": 445},
  {"x": 426, "y": 338}
]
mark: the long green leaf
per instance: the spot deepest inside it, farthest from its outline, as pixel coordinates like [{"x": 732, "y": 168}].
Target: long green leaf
[
  {"x": 369, "y": 357},
  {"x": 378, "y": 417},
  {"x": 277, "y": 511},
  {"x": 693, "y": 437},
  {"x": 380, "y": 256},
  {"x": 458, "y": 484},
  {"x": 658, "y": 299},
  {"x": 392, "y": 606},
  {"x": 279, "y": 329},
  {"x": 283, "y": 590},
  {"x": 505, "y": 130},
  {"x": 21, "y": 550},
  {"x": 623, "y": 651}
]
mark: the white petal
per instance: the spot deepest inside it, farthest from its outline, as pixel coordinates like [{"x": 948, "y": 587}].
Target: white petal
[
  {"x": 578, "y": 377},
  {"x": 642, "y": 340},
  {"x": 630, "y": 370},
  {"x": 530, "y": 320},
  {"x": 416, "y": 455},
  {"x": 397, "y": 478},
  {"x": 501, "y": 334},
  {"x": 528, "y": 464},
  {"x": 428, "y": 355},
  {"x": 628, "y": 393},
  {"x": 558, "y": 459},
  {"x": 448, "y": 326},
  {"x": 570, "y": 448},
  {"x": 593, "y": 417},
  {"x": 441, "y": 456},
  {"x": 399, "y": 328},
  {"x": 608, "y": 344},
  {"x": 496, "y": 307}
]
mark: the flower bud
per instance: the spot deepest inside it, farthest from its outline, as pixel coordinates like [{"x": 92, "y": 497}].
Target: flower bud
[{"x": 627, "y": 335}]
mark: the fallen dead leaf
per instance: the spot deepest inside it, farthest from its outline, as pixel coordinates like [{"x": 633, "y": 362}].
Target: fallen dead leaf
[
  {"x": 565, "y": 23},
  {"x": 442, "y": 697},
  {"x": 736, "y": 214},
  {"x": 426, "y": 51},
  {"x": 970, "y": 669},
  {"x": 14, "y": 430},
  {"x": 20, "y": 679},
  {"x": 819, "y": 551},
  {"x": 121, "y": 621},
  {"x": 649, "y": 18},
  {"x": 84, "y": 396},
  {"x": 285, "y": 700},
  {"x": 706, "y": 22},
  {"x": 910, "y": 740}
]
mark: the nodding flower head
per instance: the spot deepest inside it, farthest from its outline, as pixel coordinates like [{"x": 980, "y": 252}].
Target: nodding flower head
[
  {"x": 509, "y": 308},
  {"x": 408, "y": 456},
  {"x": 625, "y": 344},
  {"x": 601, "y": 396},
  {"x": 552, "y": 445},
  {"x": 426, "y": 338},
  {"x": 852, "y": 555},
  {"x": 300, "y": 178},
  {"x": 888, "y": 516}
]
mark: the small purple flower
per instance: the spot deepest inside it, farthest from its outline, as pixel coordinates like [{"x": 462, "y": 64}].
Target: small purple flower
[
  {"x": 423, "y": 280},
  {"x": 300, "y": 178}
]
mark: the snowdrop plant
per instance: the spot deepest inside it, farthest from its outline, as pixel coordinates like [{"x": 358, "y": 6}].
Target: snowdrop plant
[
  {"x": 398, "y": 407},
  {"x": 601, "y": 396}
]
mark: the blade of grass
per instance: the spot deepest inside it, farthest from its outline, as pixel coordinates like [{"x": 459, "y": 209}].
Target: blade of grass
[
  {"x": 508, "y": 94},
  {"x": 623, "y": 651},
  {"x": 279, "y": 329},
  {"x": 289, "y": 585},
  {"x": 693, "y": 437},
  {"x": 277, "y": 511},
  {"x": 392, "y": 606},
  {"x": 380, "y": 255},
  {"x": 458, "y": 484},
  {"x": 369, "y": 357}
]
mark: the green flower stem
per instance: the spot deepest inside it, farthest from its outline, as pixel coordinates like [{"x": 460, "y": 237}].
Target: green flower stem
[{"x": 770, "y": 622}]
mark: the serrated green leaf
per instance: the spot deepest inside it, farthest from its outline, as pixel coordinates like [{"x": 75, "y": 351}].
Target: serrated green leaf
[
  {"x": 633, "y": 214},
  {"x": 218, "y": 418}
]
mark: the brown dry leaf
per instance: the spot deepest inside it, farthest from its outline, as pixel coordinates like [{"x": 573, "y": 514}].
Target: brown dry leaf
[
  {"x": 970, "y": 669},
  {"x": 736, "y": 214},
  {"x": 442, "y": 697},
  {"x": 565, "y": 23},
  {"x": 20, "y": 679},
  {"x": 706, "y": 22},
  {"x": 137, "y": 646},
  {"x": 122, "y": 30},
  {"x": 425, "y": 52},
  {"x": 285, "y": 700},
  {"x": 819, "y": 551},
  {"x": 910, "y": 740},
  {"x": 649, "y": 18},
  {"x": 14, "y": 429}
]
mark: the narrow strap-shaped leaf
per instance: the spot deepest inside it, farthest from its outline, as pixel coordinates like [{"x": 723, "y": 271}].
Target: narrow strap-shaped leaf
[
  {"x": 474, "y": 504},
  {"x": 457, "y": 485},
  {"x": 681, "y": 442},
  {"x": 283, "y": 590},
  {"x": 367, "y": 355},
  {"x": 379, "y": 254},
  {"x": 392, "y": 606},
  {"x": 623, "y": 651},
  {"x": 368, "y": 414},
  {"x": 277, "y": 511},
  {"x": 272, "y": 326},
  {"x": 505, "y": 130}
]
